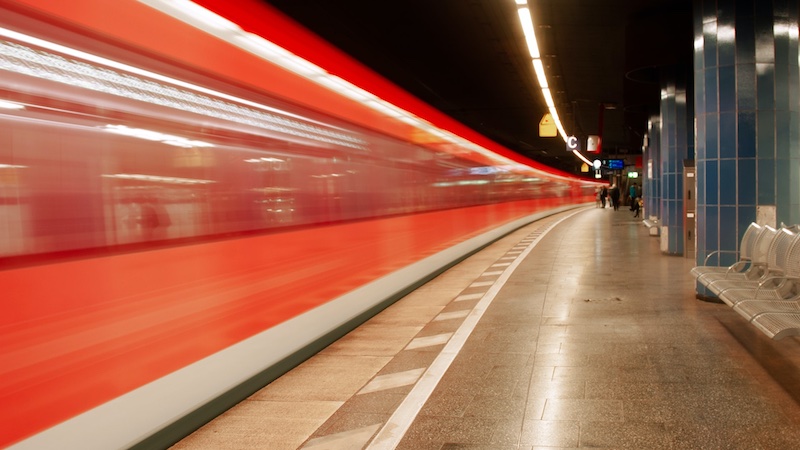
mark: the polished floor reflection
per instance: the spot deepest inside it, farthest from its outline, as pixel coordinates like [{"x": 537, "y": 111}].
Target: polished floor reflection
[{"x": 572, "y": 332}]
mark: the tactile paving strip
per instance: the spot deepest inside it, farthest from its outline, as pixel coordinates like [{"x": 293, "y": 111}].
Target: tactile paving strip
[{"x": 354, "y": 427}]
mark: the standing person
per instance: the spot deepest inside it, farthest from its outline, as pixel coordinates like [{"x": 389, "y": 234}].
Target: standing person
[
  {"x": 598, "y": 195},
  {"x": 614, "y": 193},
  {"x": 603, "y": 195},
  {"x": 633, "y": 194}
]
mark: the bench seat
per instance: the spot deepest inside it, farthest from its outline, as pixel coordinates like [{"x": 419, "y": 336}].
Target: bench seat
[
  {"x": 778, "y": 325},
  {"x": 745, "y": 255},
  {"x": 750, "y": 309}
]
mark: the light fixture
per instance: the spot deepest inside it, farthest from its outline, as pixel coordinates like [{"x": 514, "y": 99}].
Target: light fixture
[{"x": 526, "y": 22}]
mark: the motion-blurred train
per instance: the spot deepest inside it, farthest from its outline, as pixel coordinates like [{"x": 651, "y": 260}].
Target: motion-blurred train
[{"x": 192, "y": 202}]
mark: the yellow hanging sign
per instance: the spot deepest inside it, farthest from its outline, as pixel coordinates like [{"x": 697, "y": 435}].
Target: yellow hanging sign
[{"x": 547, "y": 126}]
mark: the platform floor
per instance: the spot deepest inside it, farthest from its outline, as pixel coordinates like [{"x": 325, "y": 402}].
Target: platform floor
[{"x": 572, "y": 332}]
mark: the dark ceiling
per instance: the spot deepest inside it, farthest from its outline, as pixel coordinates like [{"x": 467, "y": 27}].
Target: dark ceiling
[{"x": 468, "y": 58}]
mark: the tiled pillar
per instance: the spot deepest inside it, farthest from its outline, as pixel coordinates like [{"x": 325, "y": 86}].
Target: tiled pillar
[
  {"x": 677, "y": 145},
  {"x": 651, "y": 189},
  {"x": 747, "y": 118}
]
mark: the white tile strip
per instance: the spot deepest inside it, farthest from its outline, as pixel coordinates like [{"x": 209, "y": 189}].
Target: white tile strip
[
  {"x": 392, "y": 380},
  {"x": 346, "y": 439},
  {"x": 506, "y": 258},
  {"x": 491, "y": 274},
  {"x": 388, "y": 438},
  {"x": 461, "y": 298},
  {"x": 500, "y": 265},
  {"x": 451, "y": 315},
  {"x": 481, "y": 283},
  {"x": 428, "y": 341}
]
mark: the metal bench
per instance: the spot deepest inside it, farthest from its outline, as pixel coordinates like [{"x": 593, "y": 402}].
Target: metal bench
[
  {"x": 745, "y": 252},
  {"x": 772, "y": 303},
  {"x": 778, "y": 325},
  {"x": 757, "y": 269},
  {"x": 778, "y": 282},
  {"x": 775, "y": 311},
  {"x": 773, "y": 264}
]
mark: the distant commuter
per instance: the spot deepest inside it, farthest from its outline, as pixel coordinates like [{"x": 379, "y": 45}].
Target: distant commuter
[{"x": 614, "y": 193}]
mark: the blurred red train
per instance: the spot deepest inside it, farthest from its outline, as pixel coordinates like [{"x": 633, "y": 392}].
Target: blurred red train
[{"x": 190, "y": 205}]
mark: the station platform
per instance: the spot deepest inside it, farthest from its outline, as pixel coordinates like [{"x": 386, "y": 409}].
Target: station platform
[{"x": 574, "y": 331}]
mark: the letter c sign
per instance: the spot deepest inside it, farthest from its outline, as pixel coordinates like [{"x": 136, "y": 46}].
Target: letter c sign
[{"x": 573, "y": 143}]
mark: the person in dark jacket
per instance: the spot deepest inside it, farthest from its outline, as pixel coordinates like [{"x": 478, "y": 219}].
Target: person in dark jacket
[
  {"x": 614, "y": 194},
  {"x": 603, "y": 195}
]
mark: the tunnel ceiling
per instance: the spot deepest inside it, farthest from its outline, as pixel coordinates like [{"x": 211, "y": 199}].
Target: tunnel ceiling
[{"x": 468, "y": 58}]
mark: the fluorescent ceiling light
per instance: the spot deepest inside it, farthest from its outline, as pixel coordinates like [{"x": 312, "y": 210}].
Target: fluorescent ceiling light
[
  {"x": 548, "y": 98},
  {"x": 538, "y": 66},
  {"x": 527, "y": 27}
]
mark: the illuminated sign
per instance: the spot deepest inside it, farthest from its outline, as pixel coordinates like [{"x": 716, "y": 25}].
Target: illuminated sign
[
  {"x": 593, "y": 144},
  {"x": 547, "y": 126},
  {"x": 573, "y": 144}
]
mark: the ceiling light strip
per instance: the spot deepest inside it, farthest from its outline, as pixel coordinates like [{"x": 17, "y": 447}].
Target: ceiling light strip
[{"x": 538, "y": 66}]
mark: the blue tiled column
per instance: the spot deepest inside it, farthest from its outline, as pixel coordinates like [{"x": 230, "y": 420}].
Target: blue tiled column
[
  {"x": 747, "y": 119},
  {"x": 677, "y": 137},
  {"x": 651, "y": 189}
]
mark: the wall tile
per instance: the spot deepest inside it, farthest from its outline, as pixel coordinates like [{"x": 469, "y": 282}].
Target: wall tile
[
  {"x": 745, "y": 32},
  {"x": 783, "y": 129},
  {"x": 700, "y": 173},
  {"x": 747, "y": 214},
  {"x": 766, "y": 181},
  {"x": 746, "y": 182},
  {"x": 746, "y": 134},
  {"x": 766, "y": 134},
  {"x": 765, "y": 46},
  {"x": 782, "y": 94},
  {"x": 710, "y": 44},
  {"x": 711, "y": 105},
  {"x": 712, "y": 227},
  {"x": 728, "y": 182},
  {"x": 712, "y": 127},
  {"x": 728, "y": 236},
  {"x": 765, "y": 86},
  {"x": 783, "y": 181},
  {"x": 727, "y": 135},
  {"x": 746, "y": 86},
  {"x": 711, "y": 182}
]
